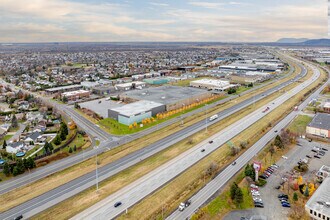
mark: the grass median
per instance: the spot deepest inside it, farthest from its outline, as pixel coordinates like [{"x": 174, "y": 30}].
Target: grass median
[{"x": 39, "y": 187}]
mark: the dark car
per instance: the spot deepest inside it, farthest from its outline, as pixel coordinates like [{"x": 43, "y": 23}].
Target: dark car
[
  {"x": 282, "y": 196},
  {"x": 258, "y": 205},
  {"x": 19, "y": 217},
  {"x": 308, "y": 156},
  {"x": 277, "y": 187},
  {"x": 233, "y": 163},
  {"x": 324, "y": 149},
  {"x": 314, "y": 150},
  {"x": 117, "y": 204},
  {"x": 263, "y": 176},
  {"x": 210, "y": 142},
  {"x": 203, "y": 150},
  {"x": 310, "y": 140},
  {"x": 286, "y": 205},
  {"x": 316, "y": 156},
  {"x": 299, "y": 144}
]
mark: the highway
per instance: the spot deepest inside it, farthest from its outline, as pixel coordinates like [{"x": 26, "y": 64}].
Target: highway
[
  {"x": 58, "y": 194},
  {"x": 144, "y": 186},
  {"x": 98, "y": 133},
  {"x": 200, "y": 198}
]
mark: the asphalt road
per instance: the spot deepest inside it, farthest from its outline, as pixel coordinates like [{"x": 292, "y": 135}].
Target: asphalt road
[
  {"x": 217, "y": 183},
  {"x": 139, "y": 189},
  {"x": 98, "y": 133},
  {"x": 59, "y": 194}
]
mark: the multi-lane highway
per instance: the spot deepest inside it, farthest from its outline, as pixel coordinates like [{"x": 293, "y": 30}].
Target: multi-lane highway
[
  {"x": 139, "y": 189},
  {"x": 65, "y": 191},
  {"x": 113, "y": 141},
  {"x": 220, "y": 180}
]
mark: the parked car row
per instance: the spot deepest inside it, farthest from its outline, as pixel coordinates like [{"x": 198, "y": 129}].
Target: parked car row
[
  {"x": 318, "y": 152},
  {"x": 269, "y": 171},
  {"x": 284, "y": 200},
  {"x": 256, "y": 196}
]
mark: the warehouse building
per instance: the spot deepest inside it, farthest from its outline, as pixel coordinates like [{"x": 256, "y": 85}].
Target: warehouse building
[
  {"x": 173, "y": 97},
  {"x": 212, "y": 84},
  {"x": 136, "y": 111},
  {"x": 156, "y": 81},
  {"x": 318, "y": 206},
  {"x": 75, "y": 95},
  {"x": 63, "y": 89},
  {"x": 130, "y": 85},
  {"x": 103, "y": 90},
  {"x": 320, "y": 125}
]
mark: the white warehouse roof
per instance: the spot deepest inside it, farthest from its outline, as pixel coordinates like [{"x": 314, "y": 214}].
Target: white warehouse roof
[{"x": 136, "y": 108}]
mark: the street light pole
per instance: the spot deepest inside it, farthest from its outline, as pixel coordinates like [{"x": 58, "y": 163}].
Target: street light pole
[{"x": 206, "y": 119}]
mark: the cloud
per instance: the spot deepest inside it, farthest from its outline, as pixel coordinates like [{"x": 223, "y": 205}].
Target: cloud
[
  {"x": 209, "y": 5},
  {"x": 158, "y": 4}
]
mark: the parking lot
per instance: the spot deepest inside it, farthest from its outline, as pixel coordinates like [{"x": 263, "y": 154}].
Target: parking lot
[
  {"x": 100, "y": 106},
  {"x": 272, "y": 206}
]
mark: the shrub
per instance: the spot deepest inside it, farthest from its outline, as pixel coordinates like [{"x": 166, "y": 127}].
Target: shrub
[{"x": 261, "y": 182}]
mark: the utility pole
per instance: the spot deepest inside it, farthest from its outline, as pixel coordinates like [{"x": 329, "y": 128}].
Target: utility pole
[
  {"x": 96, "y": 172},
  {"x": 206, "y": 119}
]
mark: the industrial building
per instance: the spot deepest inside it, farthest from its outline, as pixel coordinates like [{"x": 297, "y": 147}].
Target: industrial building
[
  {"x": 74, "y": 95},
  {"x": 319, "y": 126},
  {"x": 318, "y": 206},
  {"x": 130, "y": 85},
  {"x": 63, "y": 89},
  {"x": 103, "y": 90},
  {"x": 156, "y": 81},
  {"x": 173, "y": 97},
  {"x": 136, "y": 111},
  {"x": 212, "y": 84}
]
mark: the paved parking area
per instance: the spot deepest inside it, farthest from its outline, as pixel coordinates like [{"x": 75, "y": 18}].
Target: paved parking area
[
  {"x": 101, "y": 108},
  {"x": 272, "y": 207}
]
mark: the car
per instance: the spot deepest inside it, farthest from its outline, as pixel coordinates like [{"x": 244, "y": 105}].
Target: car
[
  {"x": 282, "y": 182},
  {"x": 203, "y": 150},
  {"x": 286, "y": 205},
  {"x": 210, "y": 142},
  {"x": 299, "y": 145},
  {"x": 187, "y": 203},
  {"x": 256, "y": 194},
  {"x": 321, "y": 154},
  {"x": 282, "y": 196},
  {"x": 182, "y": 206},
  {"x": 19, "y": 217},
  {"x": 310, "y": 140},
  {"x": 275, "y": 165},
  {"x": 275, "y": 131},
  {"x": 100, "y": 102},
  {"x": 284, "y": 157},
  {"x": 308, "y": 156},
  {"x": 277, "y": 187},
  {"x": 267, "y": 173},
  {"x": 271, "y": 169},
  {"x": 244, "y": 218},
  {"x": 316, "y": 156},
  {"x": 263, "y": 177},
  {"x": 254, "y": 186},
  {"x": 259, "y": 205},
  {"x": 314, "y": 150},
  {"x": 233, "y": 163},
  {"x": 324, "y": 149},
  {"x": 117, "y": 204}
]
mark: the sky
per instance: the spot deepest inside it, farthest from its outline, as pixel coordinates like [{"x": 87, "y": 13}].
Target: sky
[{"x": 155, "y": 20}]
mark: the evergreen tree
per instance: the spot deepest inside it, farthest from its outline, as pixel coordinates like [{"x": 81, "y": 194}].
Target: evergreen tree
[
  {"x": 62, "y": 135},
  {"x": 15, "y": 171},
  {"x": 6, "y": 169},
  {"x": 70, "y": 150},
  {"x": 249, "y": 171},
  {"x": 4, "y": 144},
  {"x": 57, "y": 140},
  {"x": 233, "y": 189},
  {"x": 75, "y": 148},
  {"x": 278, "y": 142},
  {"x": 238, "y": 196},
  {"x": 295, "y": 196},
  {"x": 14, "y": 122},
  {"x": 306, "y": 193}
]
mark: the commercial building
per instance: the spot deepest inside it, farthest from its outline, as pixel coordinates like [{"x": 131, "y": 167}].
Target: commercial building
[
  {"x": 326, "y": 107},
  {"x": 103, "y": 90},
  {"x": 318, "y": 206},
  {"x": 74, "y": 95},
  {"x": 130, "y": 85},
  {"x": 319, "y": 126},
  {"x": 63, "y": 89},
  {"x": 173, "y": 97},
  {"x": 156, "y": 81},
  {"x": 136, "y": 111},
  {"x": 212, "y": 84}
]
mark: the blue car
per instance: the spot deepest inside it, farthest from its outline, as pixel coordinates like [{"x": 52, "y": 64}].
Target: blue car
[{"x": 287, "y": 205}]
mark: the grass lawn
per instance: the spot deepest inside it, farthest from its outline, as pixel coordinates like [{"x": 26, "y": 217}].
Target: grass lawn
[
  {"x": 242, "y": 89},
  {"x": 299, "y": 124},
  {"x": 114, "y": 127},
  {"x": 79, "y": 141}
]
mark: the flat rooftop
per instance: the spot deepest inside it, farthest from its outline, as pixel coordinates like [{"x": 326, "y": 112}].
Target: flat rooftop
[
  {"x": 212, "y": 82},
  {"x": 320, "y": 197},
  {"x": 321, "y": 120},
  {"x": 165, "y": 94},
  {"x": 75, "y": 92},
  {"x": 136, "y": 107},
  {"x": 63, "y": 88},
  {"x": 101, "y": 108}
]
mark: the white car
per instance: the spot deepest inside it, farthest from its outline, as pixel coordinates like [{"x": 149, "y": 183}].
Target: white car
[
  {"x": 254, "y": 186},
  {"x": 181, "y": 206},
  {"x": 256, "y": 194},
  {"x": 284, "y": 157}
]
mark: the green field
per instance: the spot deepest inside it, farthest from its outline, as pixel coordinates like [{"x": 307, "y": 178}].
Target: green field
[{"x": 299, "y": 124}]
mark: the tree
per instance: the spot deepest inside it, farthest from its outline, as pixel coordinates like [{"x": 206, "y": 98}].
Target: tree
[
  {"x": 64, "y": 99},
  {"x": 295, "y": 196},
  {"x": 233, "y": 189},
  {"x": 74, "y": 148},
  {"x": 243, "y": 144},
  {"x": 64, "y": 127},
  {"x": 4, "y": 144},
  {"x": 238, "y": 196},
  {"x": 62, "y": 135},
  {"x": 6, "y": 169},
  {"x": 249, "y": 171},
  {"x": 57, "y": 140},
  {"x": 15, "y": 171},
  {"x": 306, "y": 193},
  {"x": 14, "y": 122},
  {"x": 70, "y": 150},
  {"x": 278, "y": 142}
]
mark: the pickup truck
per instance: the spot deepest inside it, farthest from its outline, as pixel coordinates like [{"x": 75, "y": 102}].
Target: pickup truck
[{"x": 183, "y": 205}]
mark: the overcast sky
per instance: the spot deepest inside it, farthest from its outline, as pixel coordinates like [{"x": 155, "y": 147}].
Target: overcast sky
[{"x": 155, "y": 20}]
